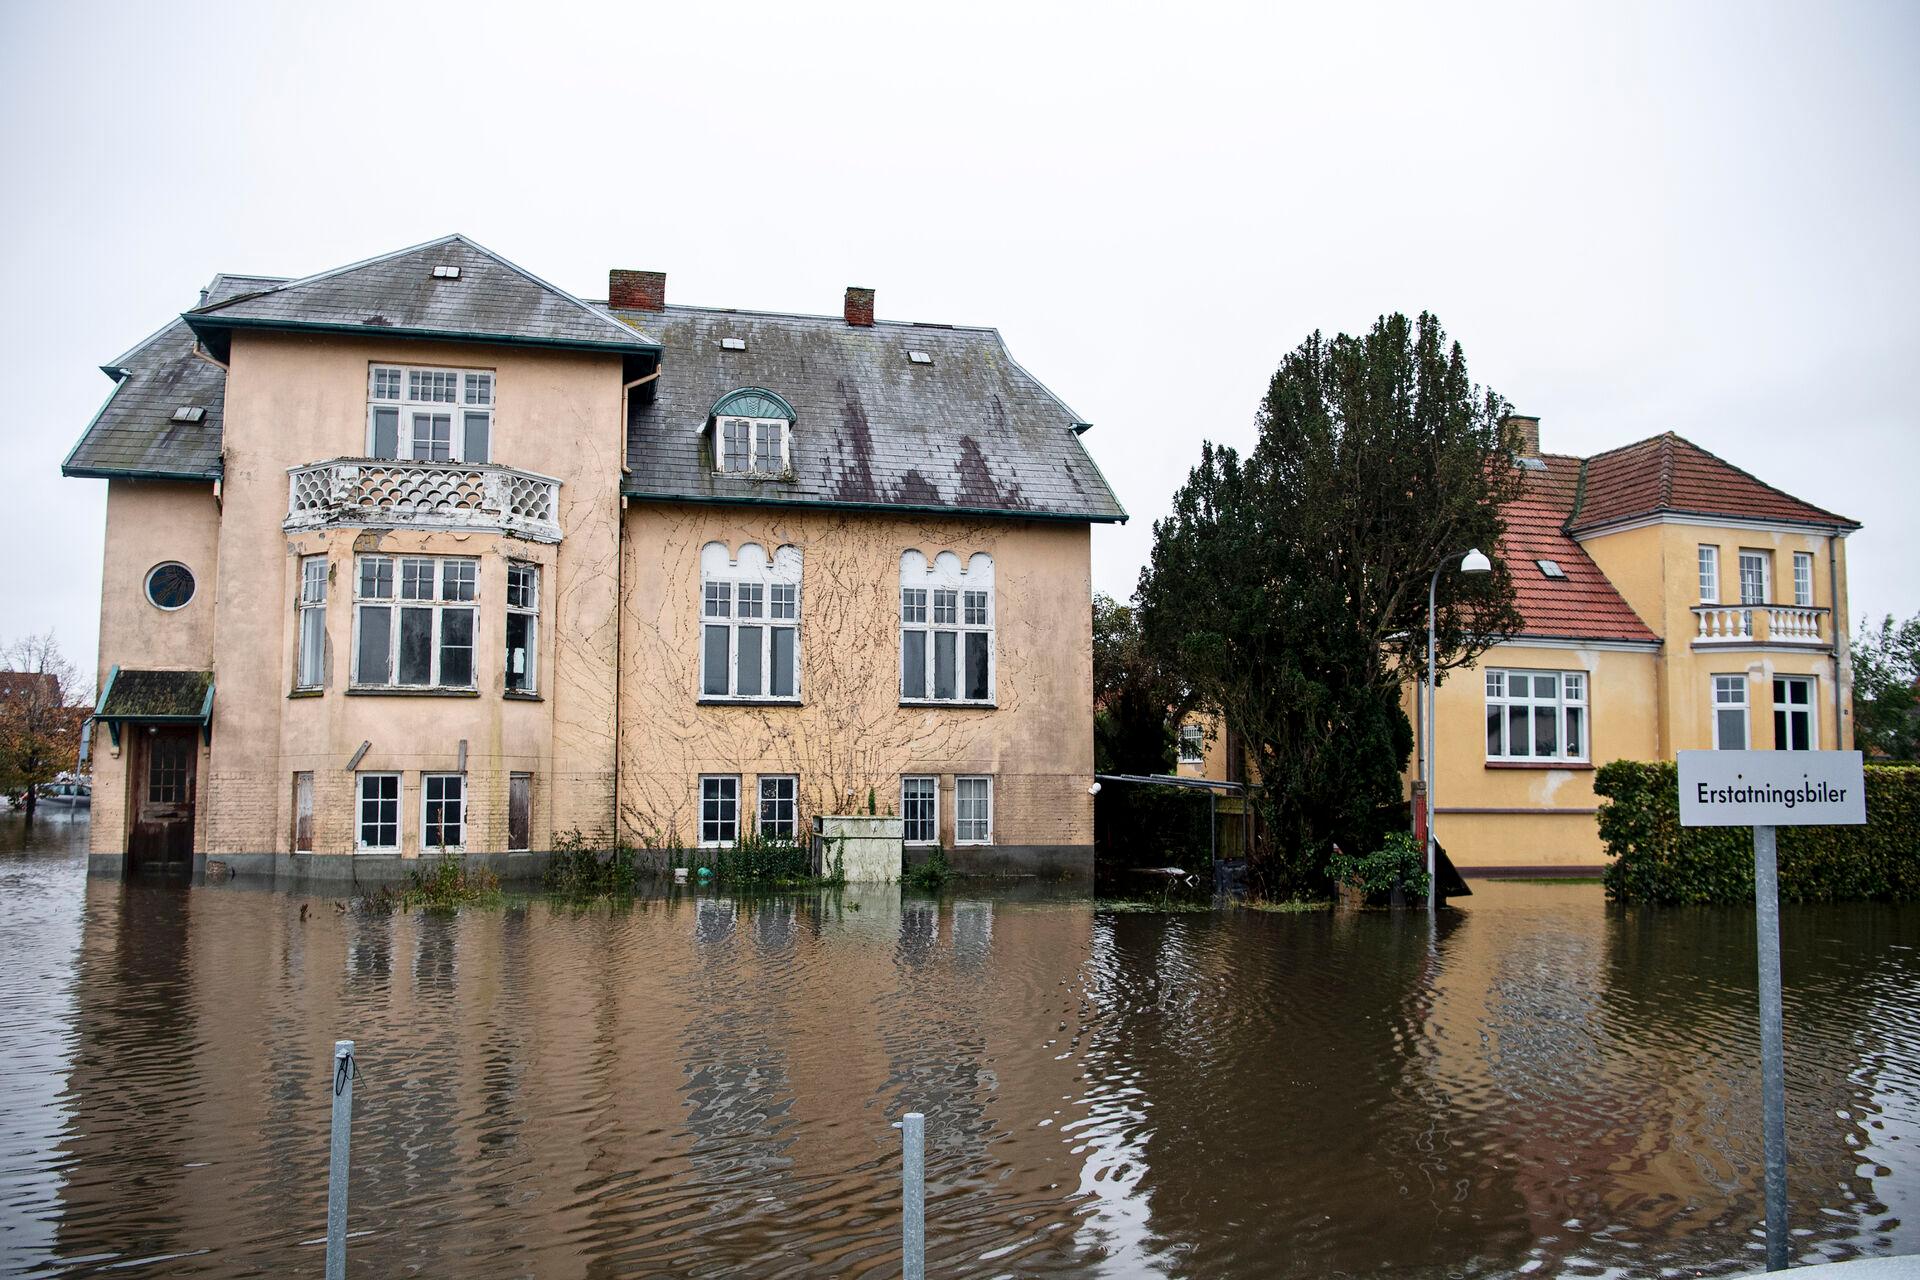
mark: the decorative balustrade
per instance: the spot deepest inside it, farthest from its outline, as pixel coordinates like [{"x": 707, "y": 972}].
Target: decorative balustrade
[
  {"x": 430, "y": 495},
  {"x": 1780, "y": 624}
]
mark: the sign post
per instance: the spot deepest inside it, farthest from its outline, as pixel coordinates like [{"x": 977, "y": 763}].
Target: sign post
[{"x": 1765, "y": 790}]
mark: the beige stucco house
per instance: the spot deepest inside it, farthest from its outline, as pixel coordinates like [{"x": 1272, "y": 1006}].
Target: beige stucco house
[{"x": 425, "y": 552}]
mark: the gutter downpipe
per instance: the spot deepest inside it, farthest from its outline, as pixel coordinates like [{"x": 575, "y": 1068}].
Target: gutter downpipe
[{"x": 620, "y": 593}]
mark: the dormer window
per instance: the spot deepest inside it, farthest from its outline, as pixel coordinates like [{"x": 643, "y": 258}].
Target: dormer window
[{"x": 752, "y": 434}]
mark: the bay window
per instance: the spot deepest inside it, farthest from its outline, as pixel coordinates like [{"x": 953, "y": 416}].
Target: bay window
[
  {"x": 424, "y": 638},
  {"x": 1536, "y": 715},
  {"x": 430, "y": 415}
]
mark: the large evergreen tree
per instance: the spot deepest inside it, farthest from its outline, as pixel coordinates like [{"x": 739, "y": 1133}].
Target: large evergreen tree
[
  {"x": 1289, "y": 589},
  {"x": 1886, "y": 689}
]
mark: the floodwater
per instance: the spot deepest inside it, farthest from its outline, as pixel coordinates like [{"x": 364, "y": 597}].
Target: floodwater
[{"x": 696, "y": 1086}]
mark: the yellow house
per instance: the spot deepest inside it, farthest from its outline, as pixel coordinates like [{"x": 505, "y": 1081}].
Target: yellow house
[
  {"x": 426, "y": 553},
  {"x": 1671, "y": 602}
]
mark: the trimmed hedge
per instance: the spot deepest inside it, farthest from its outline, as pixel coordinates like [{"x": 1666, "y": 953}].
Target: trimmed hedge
[{"x": 1656, "y": 860}]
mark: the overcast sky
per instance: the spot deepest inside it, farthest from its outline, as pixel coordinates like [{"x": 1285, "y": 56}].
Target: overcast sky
[{"x": 1697, "y": 218}]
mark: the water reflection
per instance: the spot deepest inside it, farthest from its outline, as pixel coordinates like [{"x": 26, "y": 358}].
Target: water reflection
[{"x": 695, "y": 1084}]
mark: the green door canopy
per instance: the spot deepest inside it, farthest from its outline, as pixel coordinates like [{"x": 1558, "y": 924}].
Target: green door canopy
[{"x": 156, "y": 697}]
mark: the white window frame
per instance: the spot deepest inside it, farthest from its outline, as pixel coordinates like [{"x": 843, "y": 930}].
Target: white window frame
[
  {"x": 310, "y": 625},
  {"x": 395, "y": 603},
  {"x": 774, "y": 586},
  {"x": 791, "y": 800},
  {"x": 959, "y": 808},
  {"x": 1765, "y": 561},
  {"x": 945, "y": 599},
  {"x": 528, "y": 607},
  {"x": 473, "y": 390},
  {"x": 932, "y": 799},
  {"x": 1570, "y": 704},
  {"x": 1195, "y": 737},
  {"x": 1803, "y": 579},
  {"x": 1730, "y": 684},
  {"x": 1790, "y": 710},
  {"x": 360, "y": 801},
  {"x": 1709, "y": 574},
  {"x": 700, "y": 812},
  {"x": 427, "y": 781},
  {"x": 758, "y": 432}
]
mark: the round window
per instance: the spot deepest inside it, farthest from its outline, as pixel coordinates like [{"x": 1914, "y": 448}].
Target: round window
[{"x": 170, "y": 585}]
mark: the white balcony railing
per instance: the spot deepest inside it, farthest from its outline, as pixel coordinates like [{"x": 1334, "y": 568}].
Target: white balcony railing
[
  {"x": 427, "y": 495},
  {"x": 1758, "y": 624}
]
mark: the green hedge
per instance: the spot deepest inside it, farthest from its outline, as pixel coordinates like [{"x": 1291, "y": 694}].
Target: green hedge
[{"x": 1655, "y": 859}]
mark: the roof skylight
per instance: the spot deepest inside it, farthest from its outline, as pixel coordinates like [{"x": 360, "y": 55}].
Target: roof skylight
[
  {"x": 1530, "y": 464},
  {"x": 919, "y": 357},
  {"x": 1551, "y": 569},
  {"x": 189, "y": 413},
  {"x": 446, "y": 273},
  {"x": 733, "y": 344}
]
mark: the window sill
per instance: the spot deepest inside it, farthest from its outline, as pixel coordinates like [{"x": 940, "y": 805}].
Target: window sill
[
  {"x": 306, "y": 693},
  {"x": 1572, "y": 765},
  {"x": 712, "y": 700},
  {"x": 971, "y": 844},
  {"x": 382, "y": 691},
  {"x": 518, "y": 695},
  {"x": 959, "y": 703}
]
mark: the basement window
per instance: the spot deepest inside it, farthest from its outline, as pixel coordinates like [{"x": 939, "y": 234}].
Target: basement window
[{"x": 1551, "y": 569}]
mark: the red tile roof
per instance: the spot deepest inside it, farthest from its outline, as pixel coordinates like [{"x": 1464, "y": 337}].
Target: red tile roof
[
  {"x": 1671, "y": 474},
  {"x": 1581, "y": 606}
]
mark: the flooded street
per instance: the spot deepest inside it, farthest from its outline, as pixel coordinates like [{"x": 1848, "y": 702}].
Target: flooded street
[{"x": 698, "y": 1086}]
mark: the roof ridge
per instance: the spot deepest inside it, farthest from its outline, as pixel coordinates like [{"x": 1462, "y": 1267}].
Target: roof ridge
[
  {"x": 803, "y": 315},
  {"x": 1579, "y": 497},
  {"x": 297, "y": 281},
  {"x": 1666, "y": 470}
]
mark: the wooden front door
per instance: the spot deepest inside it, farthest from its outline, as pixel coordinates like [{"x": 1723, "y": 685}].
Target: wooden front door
[{"x": 164, "y": 769}]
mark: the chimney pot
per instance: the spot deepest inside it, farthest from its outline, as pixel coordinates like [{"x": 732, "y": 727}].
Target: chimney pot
[
  {"x": 636, "y": 290},
  {"x": 1523, "y": 433},
  {"x": 859, "y": 306}
]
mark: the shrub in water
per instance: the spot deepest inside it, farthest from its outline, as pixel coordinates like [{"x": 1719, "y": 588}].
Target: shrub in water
[
  {"x": 1399, "y": 861},
  {"x": 933, "y": 872}
]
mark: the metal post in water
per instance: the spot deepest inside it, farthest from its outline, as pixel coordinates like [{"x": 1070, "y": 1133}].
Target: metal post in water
[
  {"x": 913, "y": 1195},
  {"x": 337, "y": 1160},
  {"x": 1773, "y": 1068}
]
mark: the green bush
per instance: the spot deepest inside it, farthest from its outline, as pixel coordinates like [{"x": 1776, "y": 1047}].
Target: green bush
[
  {"x": 1399, "y": 861},
  {"x": 578, "y": 870},
  {"x": 1656, "y": 860},
  {"x": 933, "y": 872},
  {"x": 450, "y": 885},
  {"x": 757, "y": 860}
]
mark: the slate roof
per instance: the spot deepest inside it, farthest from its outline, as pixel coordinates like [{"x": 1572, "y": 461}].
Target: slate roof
[
  {"x": 492, "y": 300},
  {"x": 1669, "y": 474},
  {"x": 134, "y": 434},
  {"x": 971, "y": 431},
  {"x": 1582, "y": 606},
  {"x": 146, "y": 695}
]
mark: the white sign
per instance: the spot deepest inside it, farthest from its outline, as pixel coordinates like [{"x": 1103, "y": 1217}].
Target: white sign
[{"x": 1771, "y": 789}]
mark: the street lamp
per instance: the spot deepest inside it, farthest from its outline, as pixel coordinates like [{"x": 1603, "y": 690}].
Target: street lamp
[{"x": 1471, "y": 561}]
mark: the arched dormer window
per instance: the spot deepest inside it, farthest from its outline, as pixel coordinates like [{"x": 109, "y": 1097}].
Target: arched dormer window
[{"x": 752, "y": 433}]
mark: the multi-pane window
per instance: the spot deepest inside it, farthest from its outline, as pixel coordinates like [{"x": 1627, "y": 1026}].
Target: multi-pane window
[
  {"x": 523, "y": 626},
  {"x": 946, "y": 644},
  {"x": 313, "y": 621},
  {"x": 719, "y": 810},
  {"x": 1730, "y": 713},
  {"x": 1793, "y": 713},
  {"x": 1753, "y": 577},
  {"x": 1803, "y": 579},
  {"x": 777, "y": 806},
  {"x": 379, "y": 811},
  {"x": 755, "y": 445},
  {"x": 920, "y": 809},
  {"x": 422, "y": 639},
  {"x": 168, "y": 760},
  {"x": 1536, "y": 715},
  {"x": 749, "y": 638},
  {"x": 1709, "y": 575},
  {"x": 973, "y": 810},
  {"x": 1193, "y": 744},
  {"x": 443, "y": 811},
  {"x": 430, "y": 415}
]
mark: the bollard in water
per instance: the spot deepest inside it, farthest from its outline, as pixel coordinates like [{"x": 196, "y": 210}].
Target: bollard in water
[
  {"x": 913, "y": 1195},
  {"x": 337, "y": 1160}
]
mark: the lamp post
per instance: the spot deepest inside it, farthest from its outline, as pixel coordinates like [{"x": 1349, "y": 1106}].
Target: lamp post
[{"x": 1471, "y": 561}]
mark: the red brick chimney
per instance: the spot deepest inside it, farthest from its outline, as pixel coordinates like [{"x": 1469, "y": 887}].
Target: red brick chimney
[
  {"x": 859, "y": 306},
  {"x": 1523, "y": 433},
  {"x": 637, "y": 290}
]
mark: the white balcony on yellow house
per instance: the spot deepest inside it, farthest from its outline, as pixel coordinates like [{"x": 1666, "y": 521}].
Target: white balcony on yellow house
[
  {"x": 1750, "y": 624},
  {"x": 388, "y": 494}
]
